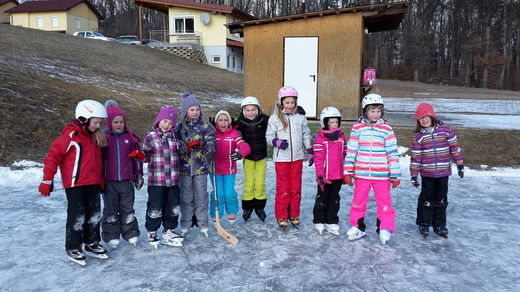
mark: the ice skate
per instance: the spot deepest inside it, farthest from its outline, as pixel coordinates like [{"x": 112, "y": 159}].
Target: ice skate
[
  {"x": 184, "y": 231},
  {"x": 354, "y": 233},
  {"x": 232, "y": 218},
  {"x": 295, "y": 221},
  {"x": 384, "y": 235},
  {"x": 282, "y": 223},
  {"x": 332, "y": 228},
  {"x": 113, "y": 243},
  {"x": 424, "y": 230},
  {"x": 261, "y": 214},
  {"x": 153, "y": 240},
  {"x": 77, "y": 256},
  {"x": 133, "y": 240},
  {"x": 441, "y": 231},
  {"x": 204, "y": 231},
  {"x": 320, "y": 227},
  {"x": 171, "y": 238},
  {"x": 247, "y": 214},
  {"x": 96, "y": 250}
]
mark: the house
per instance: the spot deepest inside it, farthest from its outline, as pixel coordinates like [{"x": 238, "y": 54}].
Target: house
[
  {"x": 65, "y": 16},
  {"x": 5, "y": 5},
  {"x": 319, "y": 53},
  {"x": 191, "y": 24}
]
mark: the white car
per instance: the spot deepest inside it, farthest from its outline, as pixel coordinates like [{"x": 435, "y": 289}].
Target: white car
[{"x": 92, "y": 35}]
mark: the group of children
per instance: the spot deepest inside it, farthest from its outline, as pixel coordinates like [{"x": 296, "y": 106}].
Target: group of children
[{"x": 181, "y": 155}]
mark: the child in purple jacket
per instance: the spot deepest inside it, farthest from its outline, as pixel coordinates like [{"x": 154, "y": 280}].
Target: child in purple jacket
[
  {"x": 163, "y": 206},
  {"x": 329, "y": 152},
  {"x": 122, "y": 171},
  {"x": 433, "y": 147}
]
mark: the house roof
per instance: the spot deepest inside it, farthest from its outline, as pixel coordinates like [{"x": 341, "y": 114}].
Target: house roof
[
  {"x": 50, "y": 6},
  {"x": 164, "y": 5},
  {"x": 2, "y": 2},
  {"x": 376, "y": 18},
  {"x": 233, "y": 43}
]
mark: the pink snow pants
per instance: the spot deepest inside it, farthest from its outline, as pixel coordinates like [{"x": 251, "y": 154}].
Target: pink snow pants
[
  {"x": 288, "y": 189},
  {"x": 385, "y": 212}
]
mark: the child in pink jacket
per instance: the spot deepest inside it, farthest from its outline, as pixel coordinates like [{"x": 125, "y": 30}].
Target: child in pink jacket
[
  {"x": 230, "y": 148},
  {"x": 329, "y": 152}
]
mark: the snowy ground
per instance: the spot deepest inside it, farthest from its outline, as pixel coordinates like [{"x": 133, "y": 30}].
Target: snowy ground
[{"x": 481, "y": 253}]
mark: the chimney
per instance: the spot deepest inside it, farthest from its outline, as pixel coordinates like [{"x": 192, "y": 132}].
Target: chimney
[{"x": 303, "y": 6}]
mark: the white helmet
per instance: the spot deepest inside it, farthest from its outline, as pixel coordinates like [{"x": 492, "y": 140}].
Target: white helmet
[
  {"x": 372, "y": 99},
  {"x": 329, "y": 112},
  {"x": 90, "y": 108},
  {"x": 250, "y": 100}
]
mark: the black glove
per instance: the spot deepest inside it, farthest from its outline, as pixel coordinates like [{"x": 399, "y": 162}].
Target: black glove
[
  {"x": 321, "y": 182},
  {"x": 235, "y": 156},
  {"x": 208, "y": 152},
  {"x": 138, "y": 182},
  {"x": 415, "y": 183},
  {"x": 460, "y": 168},
  {"x": 183, "y": 148}
]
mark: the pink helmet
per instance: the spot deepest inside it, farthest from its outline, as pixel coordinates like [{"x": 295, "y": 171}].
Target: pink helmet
[
  {"x": 424, "y": 109},
  {"x": 287, "y": 91}
]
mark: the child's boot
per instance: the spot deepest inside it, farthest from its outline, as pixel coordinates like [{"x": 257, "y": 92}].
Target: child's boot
[
  {"x": 384, "y": 235},
  {"x": 354, "y": 233},
  {"x": 113, "y": 242},
  {"x": 247, "y": 214},
  {"x": 441, "y": 231},
  {"x": 261, "y": 214},
  {"x": 96, "y": 250},
  {"x": 295, "y": 222},
  {"x": 320, "y": 227},
  {"x": 232, "y": 218},
  {"x": 171, "y": 238},
  {"x": 332, "y": 228},
  {"x": 153, "y": 239},
  {"x": 424, "y": 230},
  {"x": 282, "y": 223}
]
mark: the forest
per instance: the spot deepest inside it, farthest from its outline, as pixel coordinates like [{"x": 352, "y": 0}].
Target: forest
[{"x": 475, "y": 42}]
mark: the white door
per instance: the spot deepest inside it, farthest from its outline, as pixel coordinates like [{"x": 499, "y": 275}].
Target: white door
[{"x": 300, "y": 71}]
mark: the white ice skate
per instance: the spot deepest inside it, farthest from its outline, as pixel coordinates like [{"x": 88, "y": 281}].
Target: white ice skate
[
  {"x": 133, "y": 240},
  {"x": 113, "y": 243},
  {"x": 96, "y": 250},
  {"x": 171, "y": 238},
  {"x": 77, "y": 256},
  {"x": 354, "y": 233},
  {"x": 320, "y": 227},
  {"x": 384, "y": 235},
  {"x": 332, "y": 228},
  {"x": 204, "y": 231}
]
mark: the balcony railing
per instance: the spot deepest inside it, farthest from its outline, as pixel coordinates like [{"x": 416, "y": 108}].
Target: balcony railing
[{"x": 175, "y": 37}]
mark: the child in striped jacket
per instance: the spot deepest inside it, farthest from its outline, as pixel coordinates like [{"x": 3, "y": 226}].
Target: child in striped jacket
[
  {"x": 372, "y": 162},
  {"x": 433, "y": 147}
]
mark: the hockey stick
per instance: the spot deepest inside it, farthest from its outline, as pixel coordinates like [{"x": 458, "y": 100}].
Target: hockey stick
[{"x": 227, "y": 236}]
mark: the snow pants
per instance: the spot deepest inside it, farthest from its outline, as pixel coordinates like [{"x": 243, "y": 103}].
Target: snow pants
[
  {"x": 227, "y": 196},
  {"x": 83, "y": 216},
  {"x": 288, "y": 189},
  {"x": 433, "y": 202},
  {"x": 118, "y": 211},
  {"x": 326, "y": 206},
  {"x": 194, "y": 200},
  {"x": 385, "y": 212},
  {"x": 254, "y": 196},
  {"x": 163, "y": 207}
]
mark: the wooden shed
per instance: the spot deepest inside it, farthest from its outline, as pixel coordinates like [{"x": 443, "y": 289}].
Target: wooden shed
[{"x": 318, "y": 53}]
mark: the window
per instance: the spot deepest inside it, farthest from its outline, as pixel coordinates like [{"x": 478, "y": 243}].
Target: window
[
  {"x": 233, "y": 62},
  {"x": 215, "y": 59},
  {"x": 39, "y": 21},
  {"x": 77, "y": 23},
  {"x": 184, "y": 25},
  {"x": 54, "y": 20}
]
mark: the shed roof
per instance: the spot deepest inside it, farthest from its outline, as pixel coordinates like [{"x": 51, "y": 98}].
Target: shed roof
[
  {"x": 49, "y": 6},
  {"x": 376, "y": 18},
  {"x": 164, "y": 5},
  {"x": 2, "y": 2}
]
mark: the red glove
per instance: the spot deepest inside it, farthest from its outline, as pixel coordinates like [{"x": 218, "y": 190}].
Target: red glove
[
  {"x": 395, "y": 182},
  {"x": 137, "y": 155},
  {"x": 349, "y": 179},
  {"x": 195, "y": 145},
  {"x": 47, "y": 185}
]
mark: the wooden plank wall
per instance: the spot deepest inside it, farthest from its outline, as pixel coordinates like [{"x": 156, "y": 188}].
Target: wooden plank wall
[{"x": 340, "y": 49}]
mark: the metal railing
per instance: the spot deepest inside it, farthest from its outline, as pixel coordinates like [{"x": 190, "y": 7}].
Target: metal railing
[{"x": 174, "y": 37}]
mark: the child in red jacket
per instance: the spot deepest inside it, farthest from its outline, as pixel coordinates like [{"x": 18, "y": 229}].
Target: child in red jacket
[{"x": 230, "y": 148}]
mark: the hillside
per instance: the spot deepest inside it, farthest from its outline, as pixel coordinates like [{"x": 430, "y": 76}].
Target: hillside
[{"x": 43, "y": 75}]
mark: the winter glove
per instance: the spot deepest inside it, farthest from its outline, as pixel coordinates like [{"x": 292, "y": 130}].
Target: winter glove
[
  {"x": 208, "y": 152},
  {"x": 138, "y": 182},
  {"x": 282, "y": 144},
  {"x": 235, "y": 156},
  {"x": 47, "y": 184},
  {"x": 321, "y": 182},
  {"x": 137, "y": 155},
  {"x": 310, "y": 156},
  {"x": 194, "y": 145},
  {"x": 349, "y": 179},
  {"x": 395, "y": 182},
  {"x": 183, "y": 148},
  {"x": 415, "y": 183},
  {"x": 460, "y": 168}
]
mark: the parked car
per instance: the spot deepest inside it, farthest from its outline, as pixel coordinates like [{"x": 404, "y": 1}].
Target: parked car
[
  {"x": 92, "y": 35},
  {"x": 129, "y": 39},
  {"x": 151, "y": 42}
]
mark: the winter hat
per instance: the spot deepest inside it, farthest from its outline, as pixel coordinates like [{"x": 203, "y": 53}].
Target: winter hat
[
  {"x": 112, "y": 112},
  {"x": 424, "y": 109},
  {"x": 166, "y": 113},
  {"x": 222, "y": 112},
  {"x": 188, "y": 101}
]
